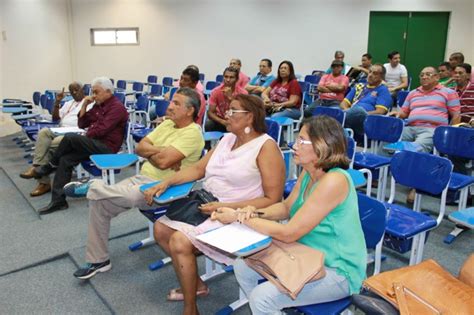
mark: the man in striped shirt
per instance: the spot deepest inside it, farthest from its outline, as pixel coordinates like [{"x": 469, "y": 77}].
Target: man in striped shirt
[
  {"x": 427, "y": 107},
  {"x": 465, "y": 90}
]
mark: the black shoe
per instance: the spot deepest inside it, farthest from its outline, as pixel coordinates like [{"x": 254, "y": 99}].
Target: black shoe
[
  {"x": 44, "y": 170},
  {"x": 54, "y": 206},
  {"x": 90, "y": 270}
]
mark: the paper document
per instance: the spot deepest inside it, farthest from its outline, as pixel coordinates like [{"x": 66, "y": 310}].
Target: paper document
[
  {"x": 236, "y": 238},
  {"x": 64, "y": 130}
]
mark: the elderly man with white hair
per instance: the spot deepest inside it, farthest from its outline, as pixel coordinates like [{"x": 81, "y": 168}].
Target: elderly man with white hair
[{"x": 105, "y": 123}]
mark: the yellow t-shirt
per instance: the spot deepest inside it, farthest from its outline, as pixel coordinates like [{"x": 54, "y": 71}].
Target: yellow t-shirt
[{"x": 187, "y": 140}]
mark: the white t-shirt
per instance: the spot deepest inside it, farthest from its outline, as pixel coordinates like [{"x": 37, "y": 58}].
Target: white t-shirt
[
  {"x": 68, "y": 113},
  {"x": 394, "y": 76}
]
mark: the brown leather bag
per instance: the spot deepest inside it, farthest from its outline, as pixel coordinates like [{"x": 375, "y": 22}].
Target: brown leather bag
[
  {"x": 425, "y": 288},
  {"x": 288, "y": 266}
]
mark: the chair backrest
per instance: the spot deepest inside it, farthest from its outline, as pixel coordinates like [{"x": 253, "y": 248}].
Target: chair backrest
[
  {"x": 167, "y": 81},
  {"x": 36, "y": 98},
  {"x": 211, "y": 85},
  {"x": 49, "y": 104},
  {"x": 383, "y": 128},
  {"x": 122, "y": 84},
  {"x": 152, "y": 79},
  {"x": 351, "y": 148},
  {"x": 202, "y": 76},
  {"x": 401, "y": 96},
  {"x": 87, "y": 89},
  {"x": 273, "y": 129},
  {"x": 156, "y": 89},
  {"x": 137, "y": 86},
  {"x": 454, "y": 141},
  {"x": 336, "y": 113},
  {"x": 304, "y": 86},
  {"x": 142, "y": 103},
  {"x": 422, "y": 171},
  {"x": 373, "y": 218},
  {"x": 220, "y": 78},
  {"x": 160, "y": 107},
  {"x": 120, "y": 96},
  {"x": 172, "y": 91},
  {"x": 312, "y": 79},
  {"x": 43, "y": 100}
]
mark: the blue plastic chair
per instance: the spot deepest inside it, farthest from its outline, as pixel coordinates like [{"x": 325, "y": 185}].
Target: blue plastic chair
[
  {"x": 427, "y": 174},
  {"x": 121, "y": 85},
  {"x": 152, "y": 79},
  {"x": 373, "y": 216},
  {"x": 335, "y": 113},
  {"x": 202, "y": 77},
  {"x": 378, "y": 129},
  {"x": 273, "y": 129},
  {"x": 110, "y": 163},
  {"x": 167, "y": 84},
  {"x": 401, "y": 96},
  {"x": 459, "y": 143},
  {"x": 120, "y": 96},
  {"x": 219, "y": 78},
  {"x": 156, "y": 89},
  {"x": 210, "y": 85}
]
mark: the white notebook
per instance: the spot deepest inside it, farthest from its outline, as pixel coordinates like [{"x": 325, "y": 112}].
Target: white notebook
[
  {"x": 237, "y": 239},
  {"x": 64, "y": 130}
]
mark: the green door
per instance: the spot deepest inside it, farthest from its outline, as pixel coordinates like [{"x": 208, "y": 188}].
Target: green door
[
  {"x": 420, "y": 37},
  {"x": 426, "y": 42},
  {"x": 387, "y": 32}
]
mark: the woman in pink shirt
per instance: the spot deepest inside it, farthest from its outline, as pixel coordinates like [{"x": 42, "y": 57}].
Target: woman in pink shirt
[{"x": 245, "y": 168}]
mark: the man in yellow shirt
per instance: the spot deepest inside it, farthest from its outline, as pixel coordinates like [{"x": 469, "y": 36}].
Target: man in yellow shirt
[{"x": 177, "y": 142}]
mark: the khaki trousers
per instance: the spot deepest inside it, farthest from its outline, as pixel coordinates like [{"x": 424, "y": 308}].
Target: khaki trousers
[
  {"x": 106, "y": 202},
  {"x": 45, "y": 145}
]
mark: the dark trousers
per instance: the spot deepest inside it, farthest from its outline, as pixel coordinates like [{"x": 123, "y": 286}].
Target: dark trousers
[
  {"x": 72, "y": 150},
  {"x": 212, "y": 125}
]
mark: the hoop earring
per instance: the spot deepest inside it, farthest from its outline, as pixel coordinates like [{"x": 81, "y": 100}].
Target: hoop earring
[{"x": 247, "y": 130}]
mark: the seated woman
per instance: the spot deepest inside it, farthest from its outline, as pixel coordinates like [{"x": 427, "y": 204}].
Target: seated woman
[
  {"x": 283, "y": 96},
  {"x": 323, "y": 214},
  {"x": 245, "y": 168}
]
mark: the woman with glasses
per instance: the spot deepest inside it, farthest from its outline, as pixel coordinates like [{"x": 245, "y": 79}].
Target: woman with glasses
[
  {"x": 322, "y": 213},
  {"x": 246, "y": 168},
  {"x": 283, "y": 97}
]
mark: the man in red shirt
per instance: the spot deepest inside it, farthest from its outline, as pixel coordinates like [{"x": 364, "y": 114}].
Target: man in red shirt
[
  {"x": 105, "y": 124},
  {"x": 219, "y": 101},
  {"x": 465, "y": 90}
]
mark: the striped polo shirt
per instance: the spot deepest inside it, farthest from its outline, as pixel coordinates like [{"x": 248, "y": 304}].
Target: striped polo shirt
[
  {"x": 431, "y": 109},
  {"x": 466, "y": 97}
]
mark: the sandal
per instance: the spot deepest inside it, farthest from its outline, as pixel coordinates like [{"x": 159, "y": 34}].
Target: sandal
[{"x": 175, "y": 295}]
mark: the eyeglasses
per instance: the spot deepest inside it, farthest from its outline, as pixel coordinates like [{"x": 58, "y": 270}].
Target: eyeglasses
[
  {"x": 301, "y": 141},
  {"x": 230, "y": 112},
  {"x": 426, "y": 74}
]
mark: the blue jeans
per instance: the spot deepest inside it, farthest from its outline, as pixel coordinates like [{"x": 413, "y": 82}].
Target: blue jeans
[
  {"x": 355, "y": 117},
  {"x": 265, "y": 298},
  {"x": 293, "y": 113}
]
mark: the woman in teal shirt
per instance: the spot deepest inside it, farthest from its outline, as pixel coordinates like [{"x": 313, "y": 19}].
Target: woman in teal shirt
[{"x": 322, "y": 213}]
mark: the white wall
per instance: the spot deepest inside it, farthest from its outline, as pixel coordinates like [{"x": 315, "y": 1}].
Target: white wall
[
  {"x": 175, "y": 33},
  {"x": 36, "y": 54},
  {"x": 1, "y": 50}
]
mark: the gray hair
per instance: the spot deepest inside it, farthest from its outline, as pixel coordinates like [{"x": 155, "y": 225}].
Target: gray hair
[
  {"x": 339, "y": 52},
  {"x": 193, "y": 99},
  {"x": 105, "y": 83}
]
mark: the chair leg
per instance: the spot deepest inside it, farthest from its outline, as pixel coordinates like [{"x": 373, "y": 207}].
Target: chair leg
[
  {"x": 414, "y": 250},
  {"x": 378, "y": 257},
  {"x": 454, "y": 233},
  {"x": 421, "y": 246}
]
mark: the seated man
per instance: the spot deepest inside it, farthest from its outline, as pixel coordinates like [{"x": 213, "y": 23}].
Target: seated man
[
  {"x": 465, "y": 90},
  {"x": 331, "y": 88},
  {"x": 47, "y": 141},
  {"x": 371, "y": 98},
  {"x": 396, "y": 75},
  {"x": 176, "y": 142},
  {"x": 262, "y": 80},
  {"x": 189, "y": 78},
  {"x": 243, "y": 78},
  {"x": 446, "y": 75},
  {"x": 425, "y": 108},
  {"x": 105, "y": 123},
  {"x": 339, "y": 55},
  {"x": 219, "y": 101}
]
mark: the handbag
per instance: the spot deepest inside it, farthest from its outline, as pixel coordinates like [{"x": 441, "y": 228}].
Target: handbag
[
  {"x": 425, "y": 288},
  {"x": 289, "y": 266},
  {"x": 187, "y": 209}
]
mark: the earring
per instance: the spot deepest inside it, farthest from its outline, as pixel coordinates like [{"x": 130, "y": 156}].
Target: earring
[{"x": 247, "y": 130}]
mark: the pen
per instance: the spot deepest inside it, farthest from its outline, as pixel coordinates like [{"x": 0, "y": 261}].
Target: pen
[{"x": 238, "y": 211}]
